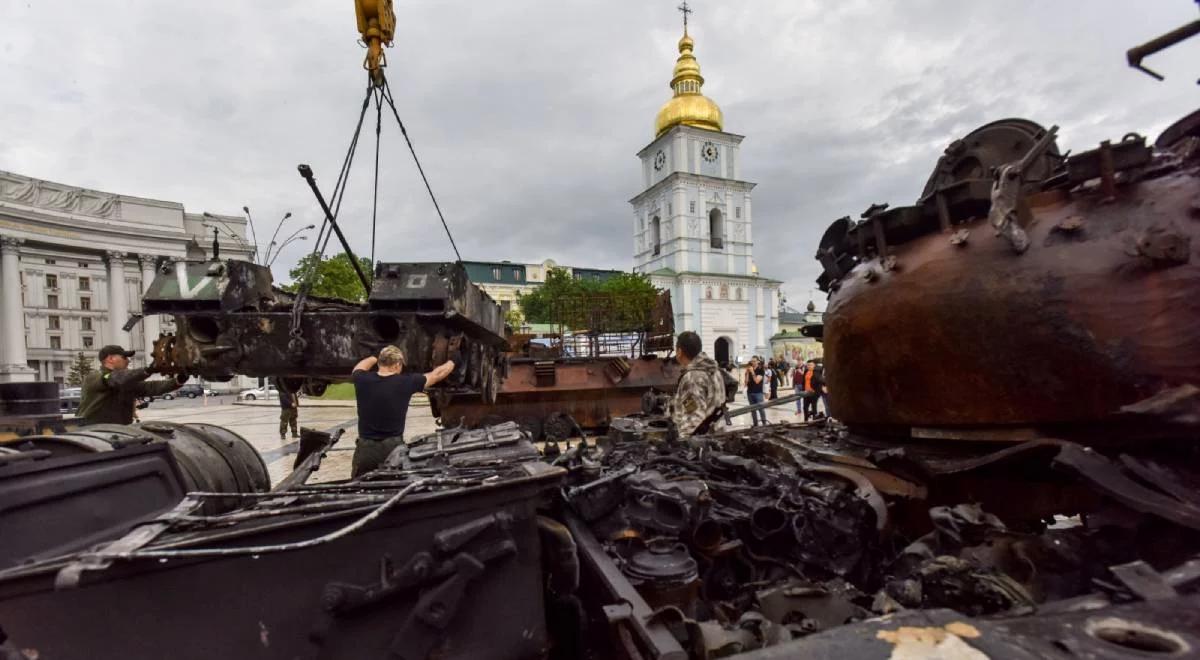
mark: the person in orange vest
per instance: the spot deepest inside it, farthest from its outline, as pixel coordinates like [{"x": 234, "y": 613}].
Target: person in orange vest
[{"x": 812, "y": 390}]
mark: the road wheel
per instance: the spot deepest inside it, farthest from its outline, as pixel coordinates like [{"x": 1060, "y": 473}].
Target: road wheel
[
  {"x": 249, "y": 397},
  {"x": 191, "y": 395},
  {"x": 168, "y": 396}
]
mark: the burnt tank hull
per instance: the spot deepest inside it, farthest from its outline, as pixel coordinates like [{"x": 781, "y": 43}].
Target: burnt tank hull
[
  {"x": 1095, "y": 322},
  {"x": 592, "y": 391}
]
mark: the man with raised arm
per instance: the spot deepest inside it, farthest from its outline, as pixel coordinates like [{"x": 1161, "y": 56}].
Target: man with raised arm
[{"x": 382, "y": 395}]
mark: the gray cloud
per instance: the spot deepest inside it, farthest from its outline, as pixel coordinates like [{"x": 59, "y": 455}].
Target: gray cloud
[{"x": 527, "y": 114}]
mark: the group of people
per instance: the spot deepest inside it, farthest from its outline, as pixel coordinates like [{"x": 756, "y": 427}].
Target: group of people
[
  {"x": 763, "y": 379},
  {"x": 808, "y": 380}
]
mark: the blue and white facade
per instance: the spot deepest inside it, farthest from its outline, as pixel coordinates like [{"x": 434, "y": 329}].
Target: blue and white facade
[{"x": 693, "y": 235}]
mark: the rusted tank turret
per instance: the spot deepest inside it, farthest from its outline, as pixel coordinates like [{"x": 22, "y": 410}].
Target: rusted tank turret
[{"x": 1024, "y": 290}]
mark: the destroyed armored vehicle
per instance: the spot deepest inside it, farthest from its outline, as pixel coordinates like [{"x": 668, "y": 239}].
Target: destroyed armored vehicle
[
  {"x": 230, "y": 319},
  {"x": 1046, "y": 295}
]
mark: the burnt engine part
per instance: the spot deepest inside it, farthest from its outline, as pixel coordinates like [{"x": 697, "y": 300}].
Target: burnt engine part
[
  {"x": 791, "y": 532},
  {"x": 411, "y": 564},
  {"x": 28, "y": 408},
  {"x": 934, "y": 323},
  {"x": 230, "y": 320},
  {"x": 210, "y": 458},
  {"x": 50, "y": 506}
]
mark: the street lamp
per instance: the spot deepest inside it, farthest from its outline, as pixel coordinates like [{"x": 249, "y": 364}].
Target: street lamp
[
  {"x": 267, "y": 255},
  {"x": 290, "y": 239},
  {"x": 295, "y": 236},
  {"x": 253, "y": 234}
]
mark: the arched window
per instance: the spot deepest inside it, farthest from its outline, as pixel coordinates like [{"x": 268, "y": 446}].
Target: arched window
[
  {"x": 738, "y": 293},
  {"x": 716, "y": 229},
  {"x": 708, "y": 293},
  {"x": 656, "y": 235},
  {"x": 724, "y": 292}
]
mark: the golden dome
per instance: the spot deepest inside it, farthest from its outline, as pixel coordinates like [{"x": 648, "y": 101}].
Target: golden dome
[{"x": 688, "y": 106}]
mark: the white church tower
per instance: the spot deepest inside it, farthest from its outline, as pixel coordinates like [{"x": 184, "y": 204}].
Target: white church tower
[{"x": 693, "y": 222}]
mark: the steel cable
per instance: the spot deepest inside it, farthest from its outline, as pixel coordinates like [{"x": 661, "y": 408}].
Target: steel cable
[{"x": 387, "y": 96}]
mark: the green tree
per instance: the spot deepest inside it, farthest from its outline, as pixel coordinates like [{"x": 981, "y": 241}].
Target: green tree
[
  {"x": 80, "y": 368},
  {"x": 620, "y": 303},
  {"x": 514, "y": 319},
  {"x": 333, "y": 277}
]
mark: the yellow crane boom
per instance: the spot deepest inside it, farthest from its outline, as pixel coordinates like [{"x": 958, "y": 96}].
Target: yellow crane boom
[{"x": 377, "y": 24}]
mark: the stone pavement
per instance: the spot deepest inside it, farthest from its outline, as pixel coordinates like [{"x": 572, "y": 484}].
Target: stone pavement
[{"x": 259, "y": 424}]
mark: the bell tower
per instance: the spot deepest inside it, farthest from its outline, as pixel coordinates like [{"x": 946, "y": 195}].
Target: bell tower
[{"x": 692, "y": 224}]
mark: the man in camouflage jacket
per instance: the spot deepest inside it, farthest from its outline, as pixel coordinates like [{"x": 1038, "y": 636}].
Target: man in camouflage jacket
[{"x": 700, "y": 394}]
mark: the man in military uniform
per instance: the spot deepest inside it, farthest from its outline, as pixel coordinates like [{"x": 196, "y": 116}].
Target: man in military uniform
[
  {"x": 700, "y": 395},
  {"x": 289, "y": 412},
  {"x": 109, "y": 395}
]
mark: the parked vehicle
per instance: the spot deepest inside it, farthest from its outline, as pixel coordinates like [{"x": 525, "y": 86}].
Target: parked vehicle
[
  {"x": 268, "y": 393},
  {"x": 190, "y": 390},
  {"x": 69, "y": 399}
]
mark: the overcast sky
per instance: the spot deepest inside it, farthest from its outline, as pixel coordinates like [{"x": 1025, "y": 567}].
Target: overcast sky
[{"x": 527, "y": 115}]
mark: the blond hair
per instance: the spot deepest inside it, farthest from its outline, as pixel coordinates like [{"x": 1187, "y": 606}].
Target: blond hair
[{"x": 391, "y": 356}]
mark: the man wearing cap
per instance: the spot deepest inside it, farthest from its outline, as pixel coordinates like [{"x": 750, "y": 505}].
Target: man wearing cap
[{"x": 109, "y": 395}]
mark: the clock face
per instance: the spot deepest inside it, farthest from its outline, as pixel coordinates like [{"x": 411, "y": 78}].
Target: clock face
[
  {"x": 660, "y": 159},
  {"x": 709, "y": 151}
]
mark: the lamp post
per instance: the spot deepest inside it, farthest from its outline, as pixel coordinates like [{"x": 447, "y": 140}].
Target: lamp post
[
  {"x": 267, "y": 255},
  {"x": 253, "y": 234},
  {"x": 290, "y": 239}
]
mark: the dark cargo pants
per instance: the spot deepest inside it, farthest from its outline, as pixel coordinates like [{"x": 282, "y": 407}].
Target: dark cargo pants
[
  {"x": 370, "y": 454},
  {"x": 289, "y": 416}
]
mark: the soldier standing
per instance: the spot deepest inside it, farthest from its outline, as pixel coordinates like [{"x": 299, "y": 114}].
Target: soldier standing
[
  {"x": 289, "y": 413},
  {"x": 700, "y": 395}
]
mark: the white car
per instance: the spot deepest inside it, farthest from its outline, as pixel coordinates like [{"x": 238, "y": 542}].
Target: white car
[{"x": 268, "y": 393}]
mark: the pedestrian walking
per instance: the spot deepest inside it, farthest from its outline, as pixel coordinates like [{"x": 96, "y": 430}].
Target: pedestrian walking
[
  {"x": 289, "y": 413},
  {"x": 754, "y": 389},
  {"x": 772, "y": 376}
]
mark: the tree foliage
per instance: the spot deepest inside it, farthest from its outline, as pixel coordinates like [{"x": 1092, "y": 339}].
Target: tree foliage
[
  {"x": 333, "y": 277},
  {"x": 620, "y": 303},
  {"x": 81, "y": 366},
  {"x": 514, "y": 319}
]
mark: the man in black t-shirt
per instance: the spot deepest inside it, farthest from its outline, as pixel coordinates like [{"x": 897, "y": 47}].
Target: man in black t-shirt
[{"x": 383, "y": 397}]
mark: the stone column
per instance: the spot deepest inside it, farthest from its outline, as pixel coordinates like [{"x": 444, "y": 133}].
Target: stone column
[
  {"x": 14, "y": 367},
  {"x": 118, "y": 300},
  {"x": 151, "y": 327}
]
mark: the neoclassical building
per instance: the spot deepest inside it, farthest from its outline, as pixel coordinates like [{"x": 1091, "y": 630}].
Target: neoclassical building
[
  {"x": 693, "y": 223},
  {"x": 74, "y": 263}
]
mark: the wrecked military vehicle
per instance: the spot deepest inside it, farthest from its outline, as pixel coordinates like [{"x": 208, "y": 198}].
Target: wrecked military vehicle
[
  {"x": 608, "y": 353},
  {"x": 231, "y": 320}
]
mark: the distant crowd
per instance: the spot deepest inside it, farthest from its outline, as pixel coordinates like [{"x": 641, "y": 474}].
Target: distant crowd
[{"x": 763, "y": 379}]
